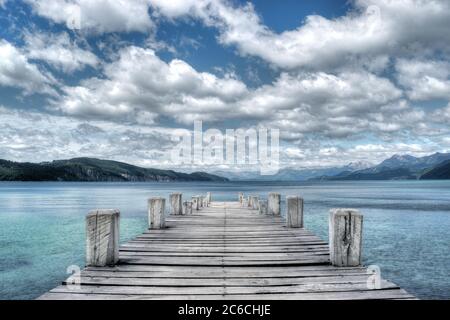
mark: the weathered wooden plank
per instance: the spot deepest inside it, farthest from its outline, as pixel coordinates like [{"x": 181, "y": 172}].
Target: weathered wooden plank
[
  {"x": 230, "y": 270},
  {"x": 214, "y": 282},
  {"x": 179, "y": 290},
  {"x": 361, "y": 295},
  {"x": 219, "y": 273},
  {"x": 190, "y": 253},
  {"x": 222, "y": 262}
]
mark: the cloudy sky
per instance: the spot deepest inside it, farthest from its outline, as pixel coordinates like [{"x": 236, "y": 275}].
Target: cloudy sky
[{"x": 344, "y": 81}]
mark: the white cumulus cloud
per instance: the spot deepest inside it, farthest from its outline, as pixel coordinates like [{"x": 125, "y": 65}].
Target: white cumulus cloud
[
  {"x": 17, "y": 71},
  {"x": 97, "y": 16},
  {"x": 59, "y": 51}
]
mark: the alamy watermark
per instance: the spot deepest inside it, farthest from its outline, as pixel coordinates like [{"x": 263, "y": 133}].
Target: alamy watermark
[
  {"x": 237, "y": 147},
  {"x": 374, "y": 279},
  {"x": 74, "y": 281}
]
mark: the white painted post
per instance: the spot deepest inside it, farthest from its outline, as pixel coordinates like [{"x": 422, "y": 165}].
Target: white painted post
[
  {"x": 255, "y": 204},
  {"x": 156, "y": 213},
  {"x": 262, "y": 206},
  {"x": 294, "y": 215},
  {"x": 241, "y": 198},
  {"x": 345, "y": 236},
  {"x": 274, "y": 204},
  {"x": 176, "y": 202},
  {"x": 200, "y": 201},
  {"x": 187, "y": 207},
  {"x": 205, "y": 201},
  {"x": 102, "y": 237},
  {"x": 195, "y": 202}
]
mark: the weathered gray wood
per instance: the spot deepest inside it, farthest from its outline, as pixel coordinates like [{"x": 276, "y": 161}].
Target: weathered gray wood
[
  {"x": 156, "y": 213},
  {"x": 196, "y": 202},
  {"x": 208, "y": 198},
  {"x": 176, "y": 201},
  {"x": 102, "y": 237},
  {"x": 225, "y": 252},
  {"x": 131, "y": 280},
  {"x": 274, "y": 204},
  {"x": 175, "y": 290},
  {"x": 241, "y": 198},
  {"x": 187, "y": 207},
  {"x": 350, "y": 295},
  {"x": 262, "y": 204},
  {"x": 345, "y": 232},
  {"x": 255, "y": 204},
  {"x": 294, "y": 214}
]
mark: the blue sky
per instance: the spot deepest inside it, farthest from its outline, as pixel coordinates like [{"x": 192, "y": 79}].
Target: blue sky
[{"x": 344, "y": 81}]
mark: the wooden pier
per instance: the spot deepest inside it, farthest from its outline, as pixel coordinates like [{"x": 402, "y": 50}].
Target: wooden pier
[{"x": 226, "y": 251}]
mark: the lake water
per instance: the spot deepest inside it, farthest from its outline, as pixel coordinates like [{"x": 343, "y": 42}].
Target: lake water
[{"x": 406, "y": 225}]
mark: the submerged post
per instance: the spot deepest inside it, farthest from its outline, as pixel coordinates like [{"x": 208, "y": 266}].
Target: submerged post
[
  {"x": 345, "y": 233},
  {"x": 274, "y": 203},
  {"x": 176, "y": 203},
  {"x": 294, "y": 216},
  {"x": 102, "y": 237},
  {"x": 262, "y": 206},
  {"x": 255, "y": 204},
  {"x": 156, "y": 213},
  {"x": 187, "y": 207}
]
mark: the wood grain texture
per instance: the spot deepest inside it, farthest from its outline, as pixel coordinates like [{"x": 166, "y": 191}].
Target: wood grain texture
[
  {"x": 156, "y": 213},
  {"x": 102, "y": 237},
  {"x": 345, "y": 233},
  {"x": 226, "y": 251}
]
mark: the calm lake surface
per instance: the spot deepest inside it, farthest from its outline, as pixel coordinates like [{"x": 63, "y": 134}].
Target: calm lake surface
[{"x": 406, "y": 225}]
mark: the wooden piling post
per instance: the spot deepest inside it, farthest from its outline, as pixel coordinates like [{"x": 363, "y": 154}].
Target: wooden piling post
[
  {"x": 294, "y": 215},
  {"x": 208, "y": 198},
  {"x": 255, "y": 204},
  {"x": 195, "y": 202},
  {"x": 241, "y": 198},
  {"x": 102, "y": 237},
  {"x": 274, "y": 204},
  {"x": 187, "y": 207},
  {"x": 249, "y": 201},
  {"x": 262, "y": 206},
  {"x": 176, "y": 204},
  {"x": 156, "y": 213},
  {"x": 345, "y": 236}
]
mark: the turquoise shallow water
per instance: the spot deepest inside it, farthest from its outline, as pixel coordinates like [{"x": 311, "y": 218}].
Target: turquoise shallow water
[{"x": 406, "y": 226}]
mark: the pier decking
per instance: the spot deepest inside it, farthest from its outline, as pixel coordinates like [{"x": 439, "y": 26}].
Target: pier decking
[{"x": 225, "y": 251}]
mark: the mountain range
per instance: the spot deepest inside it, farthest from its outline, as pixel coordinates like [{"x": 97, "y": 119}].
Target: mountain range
[
  {"x": 90, "y": 169},
  {"x": 397, "y": 167},
  {"x": 290, "y": 174},
  {"x": 400, "y": 167}
]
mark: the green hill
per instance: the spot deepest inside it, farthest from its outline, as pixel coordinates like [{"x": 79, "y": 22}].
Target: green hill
[{"x": 89, "y": 169}]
